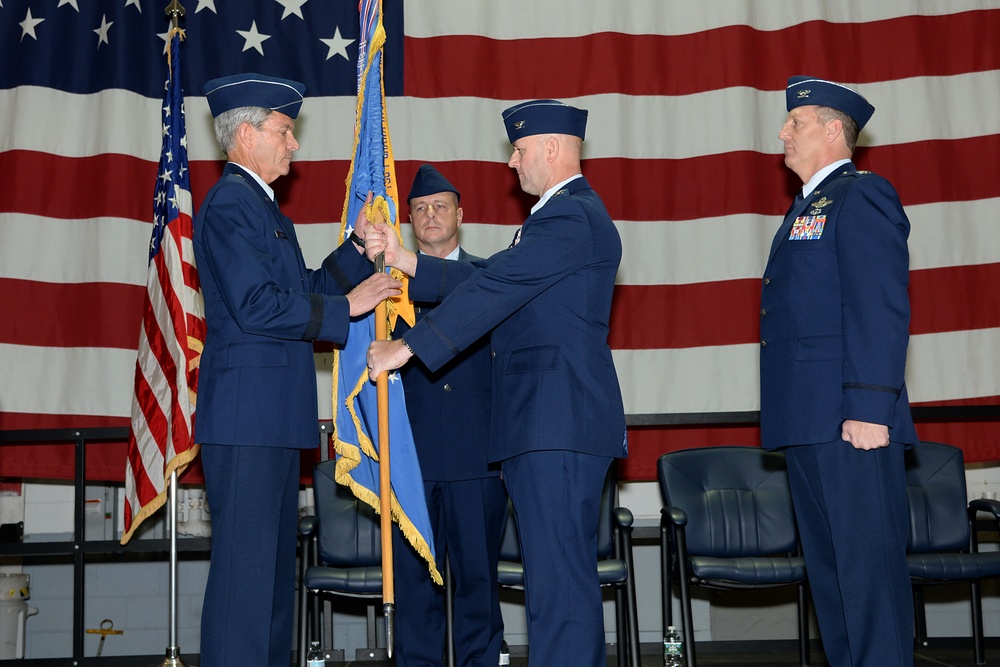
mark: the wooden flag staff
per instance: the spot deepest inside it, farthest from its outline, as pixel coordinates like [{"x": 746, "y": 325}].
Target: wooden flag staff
[{"x": 385, "y": 485}]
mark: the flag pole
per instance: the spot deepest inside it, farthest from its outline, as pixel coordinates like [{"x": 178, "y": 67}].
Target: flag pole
[
  {"x": 173, "y": 652},
  {"x": 173, "y": 657},
  {"x": 384, "y": 488}
]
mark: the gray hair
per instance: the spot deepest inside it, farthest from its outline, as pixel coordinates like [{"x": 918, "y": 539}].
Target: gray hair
[
  {"x": 227, "y": 122},
  {"x": 851, "y": 131}
]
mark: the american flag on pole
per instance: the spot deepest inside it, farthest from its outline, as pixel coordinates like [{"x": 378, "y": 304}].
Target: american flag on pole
[
  {"x": 685, "y": 100},
  {"x": 161, "y": 434}
]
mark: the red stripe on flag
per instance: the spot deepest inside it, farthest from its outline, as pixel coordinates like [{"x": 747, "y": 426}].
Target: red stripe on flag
[
  {"x": 950, "y": 298},
  {"x": 645, "y": 317},
  {"x": 749, "y": 182},
  {"x": 693, "y": 315},
  {"x": 55, "y": 186},
  {"x": 725, "y": 57},
  {"x": 70, "y": 314}
]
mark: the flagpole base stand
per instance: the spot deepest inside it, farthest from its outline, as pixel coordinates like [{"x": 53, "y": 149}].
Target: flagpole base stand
[{"x": 173, "y": 658}]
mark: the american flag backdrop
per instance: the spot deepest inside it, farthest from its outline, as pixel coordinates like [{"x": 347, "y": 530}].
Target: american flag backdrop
[{"x": 685, "y": 100}]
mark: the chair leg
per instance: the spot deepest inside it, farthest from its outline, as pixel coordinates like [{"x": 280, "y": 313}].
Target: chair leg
[
  {"x": 686, "y": 616},
  {"x": 372, "y": 635},
  {"x": 620, "y": 626},
  {"x": 620, "y": 621},
  {"x": 632, "y": 613},
  {"x": 666, "y": 588},
  {"x": 919, "y": 615},
  {"x": 803, "y": 626},
  {"x": 977, "y": 623},
  {"x": 449, "y": 613},
  {"x": 303, "y": 601}
]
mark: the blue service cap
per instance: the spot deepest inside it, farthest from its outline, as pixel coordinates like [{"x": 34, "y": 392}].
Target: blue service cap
[
  {"x": 254, "y": 90},
  {"x": 544, "y": 117},
  {"x": 805, "y": 90},
  {"x": 429, "y": 181}
]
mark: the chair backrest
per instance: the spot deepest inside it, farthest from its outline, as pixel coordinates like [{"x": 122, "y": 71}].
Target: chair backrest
[
  {"x": 349, "y": 530},
  {"x": 737, "y": 500},
  {"x": 935, "y": 489},
  {"x": 510, "y": 547}
]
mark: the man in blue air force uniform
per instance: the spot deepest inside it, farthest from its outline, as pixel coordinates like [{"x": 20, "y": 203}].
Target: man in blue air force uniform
[
  {"x": 834, "y": 331},
  {"x": 557, "y": 419},
  {"x": 257, "y": 384},
  {"x": 449, "y": 411}
]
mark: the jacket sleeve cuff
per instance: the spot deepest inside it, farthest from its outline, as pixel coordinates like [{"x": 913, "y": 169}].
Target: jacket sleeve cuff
[{"x": 870, "y": 403}]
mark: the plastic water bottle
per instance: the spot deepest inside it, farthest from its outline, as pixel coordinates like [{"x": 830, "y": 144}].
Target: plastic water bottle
[
  {"x": 673, "y": 649},
  {"x": 504, "y": 654},
  {"x": 315, "y": 657}
]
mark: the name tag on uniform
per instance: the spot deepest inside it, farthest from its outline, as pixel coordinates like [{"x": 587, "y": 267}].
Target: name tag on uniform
[{"x": 807, "y": 228}]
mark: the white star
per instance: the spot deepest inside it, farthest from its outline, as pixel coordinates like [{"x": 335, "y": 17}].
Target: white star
[
  {"x": 292, "y": 7},
  {"x": 206, "y": 4},
  {"x": 165, "y": 36},
  {"x": 394, "y": 377},
  {"x": 102, "y": 32},
  {"x": 338, "y": 45},
  {"x": 134, "y": 2},
  {"x": 168, "y": 175},
  {"x": 28, "y": 26},
  {"x": 254, "y": 39},
  {"x": 71, "y": 3}
]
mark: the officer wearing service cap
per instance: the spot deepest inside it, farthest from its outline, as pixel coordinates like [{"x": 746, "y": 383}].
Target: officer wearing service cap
[
  {"x": 257, "y": 405},
  {"x": 449, "y": 411},
  {"x": 557, "y": 417},
  {"x": 834, "y": 332}
]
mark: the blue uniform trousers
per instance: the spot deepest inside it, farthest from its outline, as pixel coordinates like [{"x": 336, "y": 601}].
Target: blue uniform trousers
[
  {"x": 253, "y": 500},
  {"x": 556, "y": 496},
  {"x": 853, "y": 519},
  {"x": 467, "y": 518}
]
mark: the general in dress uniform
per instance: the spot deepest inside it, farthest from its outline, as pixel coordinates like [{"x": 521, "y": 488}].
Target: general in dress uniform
[
  {"x": 257, "y": 381},
  {"x": 834, "y": 332}
]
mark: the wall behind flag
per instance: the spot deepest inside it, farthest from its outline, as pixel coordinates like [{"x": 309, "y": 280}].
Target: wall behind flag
[{"x": 685, "y": 103}]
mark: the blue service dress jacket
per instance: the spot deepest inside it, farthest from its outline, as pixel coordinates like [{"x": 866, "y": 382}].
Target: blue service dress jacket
[
  {"x": 547, "y": 300},
  {"x": 263, "y": 309},
  {"x": 835, "y": 314},
  {"x": 449, "y": 409}
]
